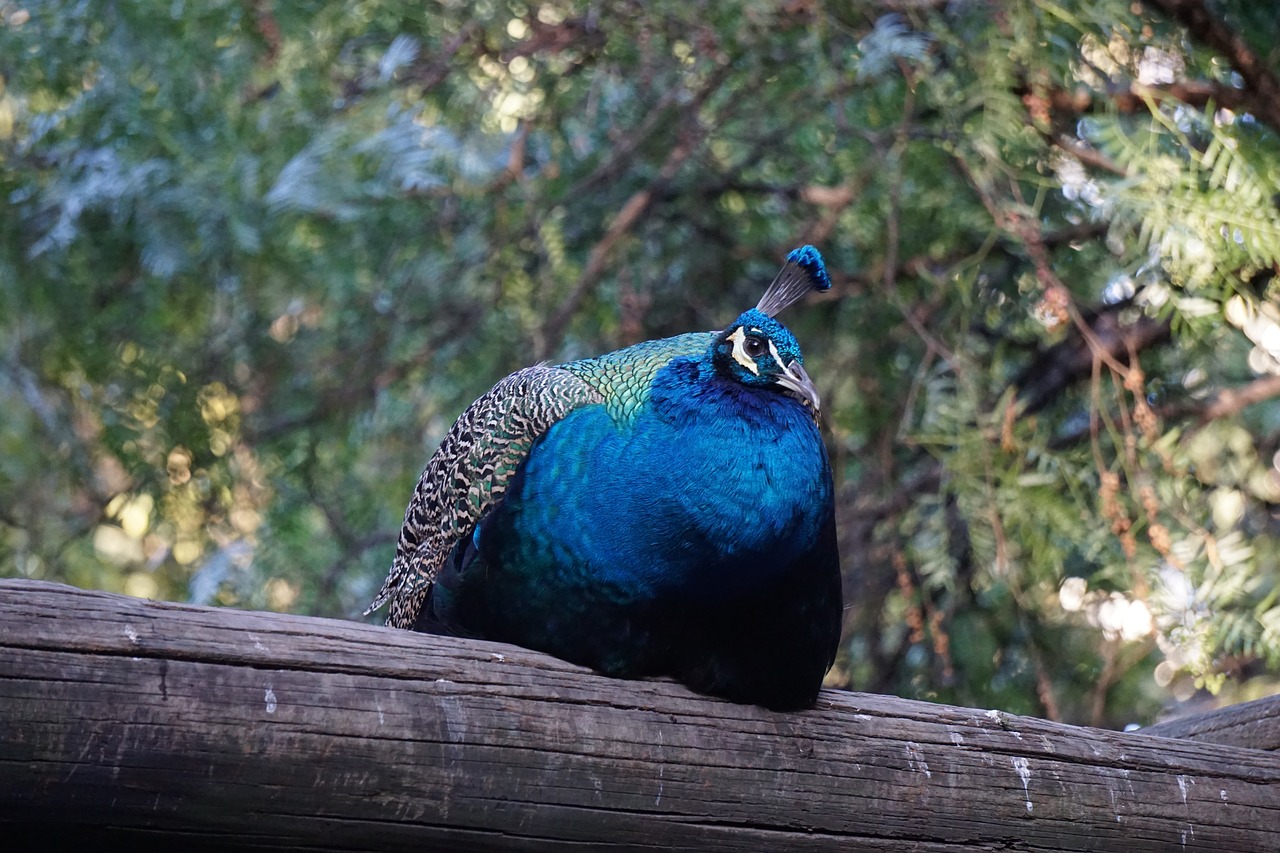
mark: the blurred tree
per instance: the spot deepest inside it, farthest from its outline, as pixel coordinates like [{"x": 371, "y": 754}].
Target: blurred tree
[{"x": 255, "y": 257}]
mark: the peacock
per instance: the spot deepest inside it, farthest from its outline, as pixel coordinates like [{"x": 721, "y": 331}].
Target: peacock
[{"x": 662, "y": 510}]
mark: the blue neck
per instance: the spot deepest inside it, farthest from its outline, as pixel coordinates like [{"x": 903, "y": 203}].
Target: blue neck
[{"x": 756, "y": 446}]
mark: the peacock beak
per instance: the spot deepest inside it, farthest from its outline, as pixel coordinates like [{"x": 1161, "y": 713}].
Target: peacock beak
[{"x": 795, "y": 380}]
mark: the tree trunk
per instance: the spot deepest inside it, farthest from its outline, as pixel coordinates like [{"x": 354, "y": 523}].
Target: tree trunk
[{"x": 187, "y": 728}]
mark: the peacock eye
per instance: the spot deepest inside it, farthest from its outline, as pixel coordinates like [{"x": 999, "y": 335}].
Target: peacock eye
[{"x": 754, "y": 347}]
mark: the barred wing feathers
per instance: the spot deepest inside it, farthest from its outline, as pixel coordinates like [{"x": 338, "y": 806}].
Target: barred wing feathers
[{"x": 469, "y": 473}]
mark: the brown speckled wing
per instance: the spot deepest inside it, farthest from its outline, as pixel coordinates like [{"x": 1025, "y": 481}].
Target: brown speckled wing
[{"x": 469, "y": 473}]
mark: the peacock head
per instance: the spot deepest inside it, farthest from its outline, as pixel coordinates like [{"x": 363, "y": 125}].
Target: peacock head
[{"x": 758, "y": 351}]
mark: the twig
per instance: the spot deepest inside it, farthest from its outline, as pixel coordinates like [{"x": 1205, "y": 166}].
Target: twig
[
  {"x": 621, "y": 153},
  {"x": 593, "y": 271},
  {"x": 1231, "y": 401},
  {"x": 1132, "y": 97},
  {"x": 1089, "y": 156},
  {"x": 628, "y": 215},
  {"x": 1098, "y": 696},
  {"x": 1261, "y": 84}
]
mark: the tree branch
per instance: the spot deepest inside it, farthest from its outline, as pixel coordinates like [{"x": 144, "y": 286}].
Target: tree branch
[
  {"x": 165, "y": 725},
  {"x": 1131, "y": 97},
  {"x": 628, "y": 215},
  {"x": 1068, "y": 362},
  {"x": 1224, "y": 403},
  {"x": 1231, "y": 401},
  {"x": 1261, "y": 84}
]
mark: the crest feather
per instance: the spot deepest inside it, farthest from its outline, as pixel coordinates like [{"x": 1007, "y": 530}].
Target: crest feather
[{"x": 803, "y": 272}]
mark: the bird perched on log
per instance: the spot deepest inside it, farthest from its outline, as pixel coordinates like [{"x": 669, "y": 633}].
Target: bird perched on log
[{"x": 665, "y": 509}]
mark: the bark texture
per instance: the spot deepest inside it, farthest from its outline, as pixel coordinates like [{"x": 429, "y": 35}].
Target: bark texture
[{"x": 175, "y": 727}]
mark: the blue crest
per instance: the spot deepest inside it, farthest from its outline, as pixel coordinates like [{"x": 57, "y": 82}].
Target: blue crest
[{"x": 802, "y": 273}]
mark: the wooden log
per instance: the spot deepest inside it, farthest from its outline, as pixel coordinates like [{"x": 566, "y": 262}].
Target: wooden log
[
  {"x": 175, "y": 727},
  {"x": 1253, "y": 724}
]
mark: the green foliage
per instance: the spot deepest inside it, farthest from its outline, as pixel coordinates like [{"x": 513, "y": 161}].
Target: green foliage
[{"x": 255, "y": 260}]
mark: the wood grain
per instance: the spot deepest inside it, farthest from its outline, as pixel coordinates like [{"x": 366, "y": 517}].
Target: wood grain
[
  {"x": 187, "y": 728},
  {"x": 1253, "y": 724}
]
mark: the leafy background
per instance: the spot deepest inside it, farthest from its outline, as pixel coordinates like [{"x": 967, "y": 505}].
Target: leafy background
[{"x": 255, "y": 257}]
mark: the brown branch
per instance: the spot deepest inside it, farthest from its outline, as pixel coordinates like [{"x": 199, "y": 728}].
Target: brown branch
[
  {"x": 1132, "y": 97},
  {"x": 821, "y": 195},
  {"x": 832, "y": 201},
  {"x": 1225, "y": 403},
  {"x": 1262, "y": 87},
  {"x": 144, "y": 724},
  {"x": 631, "y": 212},
  {"x": 1231, "y": 401},
  {"x": 1088, "y": 155},
  {"x": 430, "y": 73},
  {"x": 556, "y": 38},
  {"x": 268, "y": 28},
  {"x": 1027, "y": 230},
  {"x": 1072, "y": 360},
  {"x": 1044, "y": 687},
  {"x": 1098, "y": 696},
  {"x": 622, "y": 152}
]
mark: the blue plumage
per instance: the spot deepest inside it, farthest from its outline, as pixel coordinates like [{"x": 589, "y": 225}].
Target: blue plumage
[{"x": 676, "y": 518}]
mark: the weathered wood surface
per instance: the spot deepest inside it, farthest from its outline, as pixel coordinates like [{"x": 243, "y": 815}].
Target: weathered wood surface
[
  {"x": 1253, "y": 724},
  {"x": 189, "y": 728}
]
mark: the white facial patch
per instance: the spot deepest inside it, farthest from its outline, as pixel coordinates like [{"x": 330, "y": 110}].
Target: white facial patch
[
  {"x": 773, "y": 351},
  {"x": 739, "y": 338}
]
